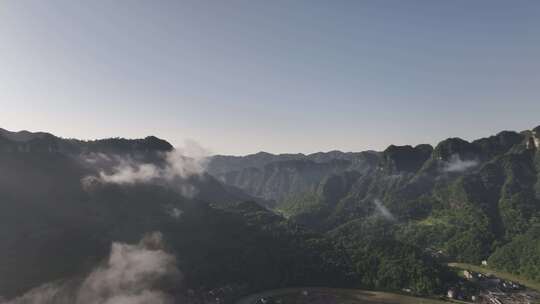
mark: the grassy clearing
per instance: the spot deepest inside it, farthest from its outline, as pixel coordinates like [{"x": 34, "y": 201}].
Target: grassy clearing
[
  {"x": 334, "y": 295},
  {"x": 504, "y": 275}
]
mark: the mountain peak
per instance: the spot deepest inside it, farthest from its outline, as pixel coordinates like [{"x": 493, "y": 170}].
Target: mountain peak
[
  {"x": 23, "y": 135},
  {"x": 406, "y": 158}
]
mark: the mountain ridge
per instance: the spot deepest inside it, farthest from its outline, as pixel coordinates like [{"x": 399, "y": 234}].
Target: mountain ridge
[{"x": 252, "y": 174}]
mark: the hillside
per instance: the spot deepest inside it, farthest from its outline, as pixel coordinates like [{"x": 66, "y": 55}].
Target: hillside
[{"x": 70, "y": 209}]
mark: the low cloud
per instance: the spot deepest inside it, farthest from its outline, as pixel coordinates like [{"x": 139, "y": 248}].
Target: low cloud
[
  {"x": 96, "y": 158},
  {"x": 383, "y": 211},
  {"x": 133, "y": 274},
  {"x": 183, "y": 162},
  {"x": 456, "y": 164},
  {"x": 131, "y": 173}
]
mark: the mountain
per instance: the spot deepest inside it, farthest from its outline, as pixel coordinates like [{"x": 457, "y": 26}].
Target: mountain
[
  {"x": 72, "y": 213},
  {"x": 468, "y": 201}
]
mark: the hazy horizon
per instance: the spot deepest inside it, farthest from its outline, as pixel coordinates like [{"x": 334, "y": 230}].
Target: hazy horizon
[
  {"x": 281, "y": 77},
  {"x": 203, "y": 150}
]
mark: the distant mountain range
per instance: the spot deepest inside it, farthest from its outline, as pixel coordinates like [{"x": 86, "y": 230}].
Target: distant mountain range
[
  {"x": 282, "y": 177},
  {"x": 277, "y": 177}
]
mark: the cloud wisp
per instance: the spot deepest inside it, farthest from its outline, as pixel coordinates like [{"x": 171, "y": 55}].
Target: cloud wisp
[
  {"x": 383, "y": 211},
  {"x": 181, "y": 163},
  {"x": 456, "y": 164}
]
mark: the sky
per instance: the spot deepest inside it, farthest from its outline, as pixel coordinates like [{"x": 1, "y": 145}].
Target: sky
[{"x": 279, "y": 76}]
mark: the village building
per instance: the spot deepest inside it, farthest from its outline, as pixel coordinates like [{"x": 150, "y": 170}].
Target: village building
[
  {"x": 451, "y": 293},
  {"x": 469, "y": 275}
]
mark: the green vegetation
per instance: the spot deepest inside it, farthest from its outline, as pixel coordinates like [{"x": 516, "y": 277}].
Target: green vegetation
[
  {"x": 300, "y": 203},
  {"x": 382, "y": 262},
  {"x": 521, "y": 256}
]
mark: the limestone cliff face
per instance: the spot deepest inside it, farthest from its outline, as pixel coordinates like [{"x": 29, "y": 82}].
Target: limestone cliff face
[
  {"x": 531, "y": 143},
  {"x": 405, "y": 158},
  {"x": 536, "y": 136}
]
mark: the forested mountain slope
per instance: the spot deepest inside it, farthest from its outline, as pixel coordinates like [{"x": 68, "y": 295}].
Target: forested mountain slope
[
  {"x": 465, "y": 200},
  {"x": 279, "y": 177}
]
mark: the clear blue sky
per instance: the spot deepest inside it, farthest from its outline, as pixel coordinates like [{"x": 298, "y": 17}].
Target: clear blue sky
[{"x": 279, "y": 76}]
